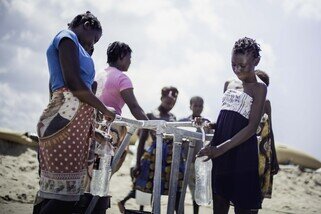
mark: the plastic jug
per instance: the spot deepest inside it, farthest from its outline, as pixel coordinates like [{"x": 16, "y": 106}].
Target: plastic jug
[
  {"x": 99, "y": 184},
  {"x": 203, "y": 181},
  {"x": 203, "y": 178}
]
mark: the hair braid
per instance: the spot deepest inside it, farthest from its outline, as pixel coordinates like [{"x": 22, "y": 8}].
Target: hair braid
[
  {"x": 247, "y": 45},
  {"x": 117, "y": 50},
  {"x": 82, "y": 18}
]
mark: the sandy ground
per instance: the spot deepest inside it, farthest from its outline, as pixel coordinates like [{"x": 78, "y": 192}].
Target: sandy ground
[{"x": 295, "y": 191}]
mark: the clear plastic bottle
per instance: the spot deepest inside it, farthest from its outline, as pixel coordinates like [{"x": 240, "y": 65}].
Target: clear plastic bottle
[
  {"x": 99, "y": 184},
  {"x": 203, "y": 181}
]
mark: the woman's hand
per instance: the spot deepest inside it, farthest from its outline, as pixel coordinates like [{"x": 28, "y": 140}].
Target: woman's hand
[
  {"x": 211, "y": 152},
  {"x": 110, "y": 114}
]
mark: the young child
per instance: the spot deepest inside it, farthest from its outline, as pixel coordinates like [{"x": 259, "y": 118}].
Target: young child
[
  {"x": 268, "y": 163},
  {"x": 132, "y": 193},
  {"x": 145, "y": 160},
  {"x": 115, "y": 89},
  {"x": 233, "y": 148},
  {"x": 196, "y": 106}
]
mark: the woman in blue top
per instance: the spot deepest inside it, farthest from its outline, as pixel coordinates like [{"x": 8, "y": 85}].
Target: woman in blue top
[{"x": 65, "y": 126}]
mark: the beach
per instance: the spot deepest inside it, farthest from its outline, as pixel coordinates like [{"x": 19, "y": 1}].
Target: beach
[{"x": 295, "y": 190}]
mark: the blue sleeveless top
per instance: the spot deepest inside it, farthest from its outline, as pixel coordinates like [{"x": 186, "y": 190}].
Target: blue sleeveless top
[{"x": 87, "y": 69}]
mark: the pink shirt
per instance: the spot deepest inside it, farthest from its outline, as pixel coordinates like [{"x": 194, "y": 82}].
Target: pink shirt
[{"x": 110, "y": 84}]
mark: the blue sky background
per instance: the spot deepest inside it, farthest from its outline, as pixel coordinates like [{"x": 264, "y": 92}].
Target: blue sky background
[{"x": 186, "y": 44}]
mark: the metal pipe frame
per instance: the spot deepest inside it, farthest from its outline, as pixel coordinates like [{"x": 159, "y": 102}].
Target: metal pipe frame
[
  {"x": 158, "y": 173},
  {"x": 122, "y": 147},
  {"x": 186, "y": 176},
  {"x": 176, "y": 157},
  {"x": 161, "y": 127}
]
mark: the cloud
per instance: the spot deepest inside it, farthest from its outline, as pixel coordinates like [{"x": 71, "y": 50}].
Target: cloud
[
  {"x": 26, "y": 8},
  {"x": 166, "y": 26},
  {"x": 182, "y": 43},
  {"x": 23, "y": 66},
  {"x": 3, "y": 70},
  {"x": 20, "y": 110},
  {"x": 268, "y": 57},
  {"x": 195, "y": 72},
  {"x": 141, "y": 8},
  {"x": 204, "y": 11},
  {"x": 310, "y": 9}
]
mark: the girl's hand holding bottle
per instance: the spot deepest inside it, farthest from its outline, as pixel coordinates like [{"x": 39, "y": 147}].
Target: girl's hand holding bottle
[{"x": 212, "y": 151}]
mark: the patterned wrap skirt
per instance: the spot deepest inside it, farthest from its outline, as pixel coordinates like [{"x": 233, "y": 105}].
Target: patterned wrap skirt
[
  {"x": 265, "y": 157},
  {"x": 64, "y": 129},
  {"x": 145, "y": 180}
]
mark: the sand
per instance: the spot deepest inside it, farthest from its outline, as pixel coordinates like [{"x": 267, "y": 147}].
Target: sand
[{"x": 295, "y": 190}]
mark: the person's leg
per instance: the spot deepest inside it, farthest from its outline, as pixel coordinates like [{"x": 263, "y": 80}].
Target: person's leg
[
  {"x": 220, "y": 205},
  {"x": 36, "y": 208},
  {"x": 53, "y": 206},
  {"x": 101, "y": 205},
  {"x": 37, "y": 204},
  {"x": 130, "y": 195},
  {"x": 121, "y": 204},
  {"x": 191, "y": 186},
  {"x": 238, "y": 210},
  {"x": 195, "y": 207}
]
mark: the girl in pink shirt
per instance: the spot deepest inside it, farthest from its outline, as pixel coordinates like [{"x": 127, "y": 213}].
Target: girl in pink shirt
[{"x": 114, "y": 86}]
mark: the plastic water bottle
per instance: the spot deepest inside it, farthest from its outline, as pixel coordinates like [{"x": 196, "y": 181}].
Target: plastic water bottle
[
  {"x": 99, "y": 184},
  {"x": 203, "y": 181}
]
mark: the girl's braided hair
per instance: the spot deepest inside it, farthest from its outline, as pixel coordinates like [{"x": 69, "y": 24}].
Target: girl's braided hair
[
  {"x": 247, "y": 45},
  {"x": 117, "y": 50},
  {"x": 82, "y": 18}
]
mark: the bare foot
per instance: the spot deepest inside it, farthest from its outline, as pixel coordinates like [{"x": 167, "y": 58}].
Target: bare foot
[{"x": 121, "y": 207}]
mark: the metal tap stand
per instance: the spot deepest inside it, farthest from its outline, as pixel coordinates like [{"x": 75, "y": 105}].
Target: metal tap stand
[
  {"x": 161, "y": 127},
  {"x": 176, "y": 157},
  {"x": 186, "y": 176}
]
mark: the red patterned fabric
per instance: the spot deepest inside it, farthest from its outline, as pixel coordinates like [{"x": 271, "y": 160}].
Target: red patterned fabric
[{"x": 63, "y": 152}]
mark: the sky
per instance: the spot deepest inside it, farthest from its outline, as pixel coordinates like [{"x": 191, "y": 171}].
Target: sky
[{"x": 186, "y": 44}]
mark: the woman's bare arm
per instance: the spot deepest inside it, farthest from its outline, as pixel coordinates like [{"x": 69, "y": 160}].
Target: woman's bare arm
[
  {"x": 257, "y": 109},
  {"x": 131, "y": 101},
  {"x": 69, "y": 61}
]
